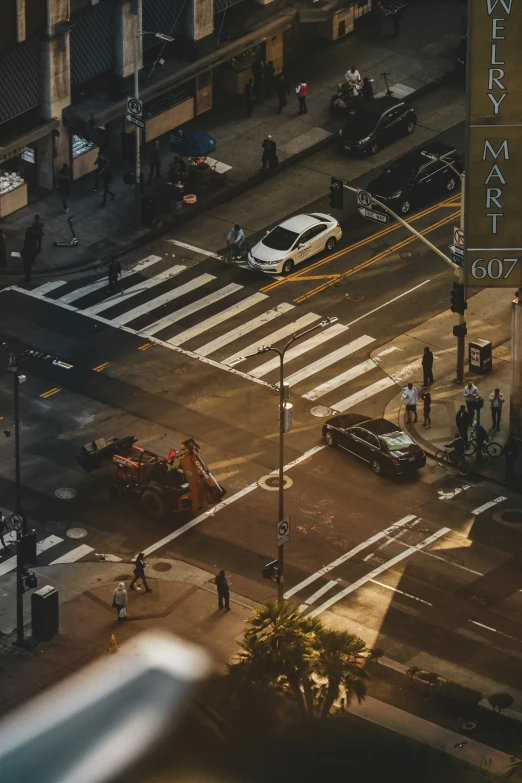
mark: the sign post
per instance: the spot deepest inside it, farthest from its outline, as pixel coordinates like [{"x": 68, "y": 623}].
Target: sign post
[{"x": 283, "y": 531}]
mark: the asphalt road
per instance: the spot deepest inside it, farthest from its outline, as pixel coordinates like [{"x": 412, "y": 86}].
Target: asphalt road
[{"x": 151, "y": 363}]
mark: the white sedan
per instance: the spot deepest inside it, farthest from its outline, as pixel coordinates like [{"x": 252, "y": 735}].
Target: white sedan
[{"x": 292, "y": 241}]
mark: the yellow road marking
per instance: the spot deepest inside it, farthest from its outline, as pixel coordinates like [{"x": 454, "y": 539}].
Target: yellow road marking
[
  {"x": 145, "y": 347},
  {"x": 376, "y": 258},
  {"x": 316, "y": 277},
  {"x": 50, "y": 392},
  {"x": 101, "y": 367},
  {"x": 361, "y": 243}
]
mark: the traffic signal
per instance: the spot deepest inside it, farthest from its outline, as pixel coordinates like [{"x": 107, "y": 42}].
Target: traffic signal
[
  {"x": 336, "y": 193},
  {"x": 458, "y": 299},
  {"x": 460, "y": 330},
  {"x": 30, "y": 580},
  {"x": 271, "y": 571}
]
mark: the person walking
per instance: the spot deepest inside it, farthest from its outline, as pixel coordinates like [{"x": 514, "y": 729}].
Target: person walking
[
  {"x": 396, "y": 21},
  {"x": 426, "y": 398},
  {"x": 119, "y": 601},
  {"x": 37, "y": 228},
  {"x": 511, "y": 452},
  {"x": 379, "y": 15},
  {"x": 64, "y": 185},
  {"x": 302, "y": 90},
  {"x": 100, "y": 162},
  {"x": 106, "y": 178},
  {"x": 113, "y": 274},
  {"x": 269, "y": 78},
  {"x": 257, "y": 72},
  {"x": 410, "y": 398},
  {"x": 155, "y": 161},
  {"x": 223, "y": 591},
  {"x": 4, "y": 530},
  {"x": 427, "y": 367},
  {"x": 3, "y": 249},
  {"x": 471, "y": 394},
  {"x": 367, "y": 90},
  {"x": 282, "y": 90},
  {"x": 496, "y": 400},
  {"x": 269, "y": 156},
  {"x": 463, "y": 420},
  {"x": 250, "y": 97},
  {"x": 28, "y": 257},
  {"x": 139, "y": 573}
]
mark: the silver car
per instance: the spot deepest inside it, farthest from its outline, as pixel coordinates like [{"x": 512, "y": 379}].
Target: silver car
[{"x": 294, "y": 240}]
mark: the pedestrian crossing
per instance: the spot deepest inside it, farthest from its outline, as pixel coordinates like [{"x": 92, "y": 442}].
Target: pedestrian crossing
[
  {"x": 50, "y": 550},
  {"x": 195, "y": 312}
]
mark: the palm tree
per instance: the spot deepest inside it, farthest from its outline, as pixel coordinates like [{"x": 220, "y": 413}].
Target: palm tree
[{"x": 339, "y": 665}]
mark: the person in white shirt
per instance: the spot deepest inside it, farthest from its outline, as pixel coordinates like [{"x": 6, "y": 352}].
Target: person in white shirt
[
  {"x": 471, "y": 393},
  {"x": 496, "y": 400},
  {"x": 410, "y": 398},
  {"x": 352, "y": 75}
]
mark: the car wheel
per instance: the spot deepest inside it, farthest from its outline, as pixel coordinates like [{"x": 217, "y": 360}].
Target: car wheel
[
  {"x": 374, "y": 148},
  {"x": 410, "y": 127},
  {"x": 376, "y": 467},
  {"x": 329, "y": 438},
  {"x": 451, "y": 184},
  {"x": 287, "y": 266},
  {"x": 405, "y": 207},
  {"x": 331, "y": 243}
]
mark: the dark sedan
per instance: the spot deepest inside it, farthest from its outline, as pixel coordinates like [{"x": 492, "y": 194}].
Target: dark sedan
[
  {"x": 383, "y": 445},
  {"x": 417, "y": 177},
  {"x": 375, "y": 124}
]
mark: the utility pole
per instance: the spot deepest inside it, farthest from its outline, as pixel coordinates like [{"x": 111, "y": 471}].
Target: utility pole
[
  {"x": 462, "y": 331},
  {"x": 137, "y": 162}
]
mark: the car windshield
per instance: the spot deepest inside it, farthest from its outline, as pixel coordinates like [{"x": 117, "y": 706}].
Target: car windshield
[
  {"x": 397, "y": 440},
  {"x": 280, "y": 239},
  {"x": 403, "y": 168},
  {"x": 365, "y": 123}
]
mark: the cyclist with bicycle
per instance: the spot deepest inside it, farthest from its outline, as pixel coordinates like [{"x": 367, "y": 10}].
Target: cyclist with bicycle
[
  {"x": 236, "y": 237},
  {"x": 457, "y": 446}
]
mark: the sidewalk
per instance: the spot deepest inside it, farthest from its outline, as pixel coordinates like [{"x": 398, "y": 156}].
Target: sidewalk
[
  {"x": 488, "y": 317},
  {"x": 416, "y": 61}
]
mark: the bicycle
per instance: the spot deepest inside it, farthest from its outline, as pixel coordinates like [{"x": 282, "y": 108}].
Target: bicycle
[
  {"x": 231, "y": 254},
  {"x": 489, "y": 447},
  {"x": 447, "y": 457}
]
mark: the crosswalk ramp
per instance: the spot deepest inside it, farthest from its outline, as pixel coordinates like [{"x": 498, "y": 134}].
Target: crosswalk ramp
[
  {"x": 216, "y": 320},
  {"x": 50, "y": 550}
]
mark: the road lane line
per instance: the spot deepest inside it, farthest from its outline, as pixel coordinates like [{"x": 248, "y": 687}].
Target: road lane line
[
  {"x": 329, "y": 359},
  {"x": 128, "y": 293},
  {"x": 195, "y": 249},
  {"x": 210, "y": 513},
  {"x": 340, "y": 380},
  {"x": 84, "y": 290},
  {"x": 298, "y": 350},
  {"x": 322, "y": 590},
  {"x": 41, "y": 546},
  {"x": 215, "y": 320},
  {"x": 409, "y": 291},
  {"x": 396, "y": 590},
  {"x": 153, "y": 304},
  {"x": 190, "y": 309},
  {"x": 50, "y": 392},
  {"x": 364, "y": 394},
  {"x": 485, "y": 507},
  {"x": 51, "y": 286},
  {"x": 456, "y": 565},
  {"x": 379, "y": 570},
  {"x": 280, "y": 334},
  {"x": 352, "y": 552},
  {"x": 73, "y": 555},
  {"x": 243, "y": 329}
]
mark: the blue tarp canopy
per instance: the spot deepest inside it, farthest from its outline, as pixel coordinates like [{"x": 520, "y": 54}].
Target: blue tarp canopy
[{"x": 192, "y": 144}]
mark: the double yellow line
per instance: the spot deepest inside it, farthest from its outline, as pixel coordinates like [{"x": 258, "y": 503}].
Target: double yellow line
[{"x": 303, "y": 273}]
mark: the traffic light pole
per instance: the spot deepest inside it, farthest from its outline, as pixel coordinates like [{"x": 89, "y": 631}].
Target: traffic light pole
[
  {"x": 137, "y": 163},
  {"x": 461, "y": 346}
]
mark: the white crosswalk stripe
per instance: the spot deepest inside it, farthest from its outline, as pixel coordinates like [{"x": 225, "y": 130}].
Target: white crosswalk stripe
[
  {"x": 134, "y": 290},
  {"x": 199, "y": 304},
  {"x": 364, "y": 394},
  {"x": 79, "y": 293},
  {"x": 275, "y": 337},
  {"x": 74, "y": 555},
  {"x": 161, "y": 300},
  {"x": 299, "y": 349},
  {"x": 243, "y": 329},
  {"x": 329, "y": 359},
  {"x": 224, "y": 315},
  {"x": 46, "y": 545},
  {"x": 339, "y": 380}
]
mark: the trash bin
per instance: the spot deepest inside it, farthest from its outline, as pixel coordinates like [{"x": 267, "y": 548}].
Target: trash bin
[
  {"x": 480, "y": 356},
  {"x": 44, "y": 613}
]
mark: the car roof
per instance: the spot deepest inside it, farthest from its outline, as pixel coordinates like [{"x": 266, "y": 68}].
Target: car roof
[
  {"x": 299, "y": 223},
  {"x": 381, "y": 427},
  {"x": 377, "y": 426},
  {"x": 417, "y": 158},
  {"x": 374, "y": 110}
]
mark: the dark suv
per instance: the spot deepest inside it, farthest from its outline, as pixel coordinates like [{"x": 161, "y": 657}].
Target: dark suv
[
  {"x": 375, "y": 124},
  {"x": 417, "y": 176}
]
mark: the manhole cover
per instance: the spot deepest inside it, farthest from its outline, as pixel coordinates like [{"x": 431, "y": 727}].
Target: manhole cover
[
  {"x": 321, "y": 411},
  {"x": 512, "y": 516},
  {"x": 271, "y": 482},
  {"x": 65, "y": 493},
  {"x": 162, "y": 567},
  {"x": 76, "y": 532},
  {"x": 409, "y": 254}
]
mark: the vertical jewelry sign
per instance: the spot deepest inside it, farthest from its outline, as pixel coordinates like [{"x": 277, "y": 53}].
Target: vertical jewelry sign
[{"x": 493, "y": 227}]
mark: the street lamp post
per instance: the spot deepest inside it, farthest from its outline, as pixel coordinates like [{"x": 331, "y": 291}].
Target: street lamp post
[
  {"x": 282, "y": 429},
  {"x": 137, "y": 165}
]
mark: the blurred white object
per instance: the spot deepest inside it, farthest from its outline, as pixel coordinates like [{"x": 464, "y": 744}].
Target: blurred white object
[{"x": 98, "y": 723}]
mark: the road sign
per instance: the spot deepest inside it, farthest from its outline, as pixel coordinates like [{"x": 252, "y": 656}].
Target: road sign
[
  {"x": 283, "y": 531},
  {"x": 377, "y": 217},
  {"x": 457, "y": 255},
  {"x": 135, "y": 121},
  {"x": 458, "y": 237},
  {"x": 364, "y": 199},
  {"x": 16, "y": 522},
  {"x": 134, "y": 107}
]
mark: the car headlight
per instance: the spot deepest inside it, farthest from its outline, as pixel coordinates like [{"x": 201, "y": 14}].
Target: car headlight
[
  {"x": 397, "y": 194},
  {"x": 341, "y": 132},
  {"x": 363, "y": 141}
]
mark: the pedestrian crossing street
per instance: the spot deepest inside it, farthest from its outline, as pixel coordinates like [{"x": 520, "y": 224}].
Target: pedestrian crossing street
[{"x": 203, "y": 316}]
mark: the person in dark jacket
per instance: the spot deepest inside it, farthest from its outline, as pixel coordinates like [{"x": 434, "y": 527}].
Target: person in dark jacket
[
  {"x": 3, "y": 249},
  {"x": 100, "y": 163},
  {"x": 282, "y": 90},
  {"x": 37, "y": 228},
  {"x": 107, "y": 179},
  {"x": 269, "y": 78},
  {"x": 367, "y": 90},
  {"x": 463, "y": 420},
  {"x": 28, "y": 258},
  {"x": 511, "y": 452},
  {"x": 113, "y": 274},
  {"x": 257, "y": 72},
  {"x": 396, "y": 21},
  {"x": 223, "y": 591},
  {"x": 64, "y": 185},
  {"x": 269, "y": 157},
  {"x": 139, "y": 573},
  {"x": 427, "y": 367},
  {"x": 155, "y": 161},
  {"x": 250, "y": 97}
]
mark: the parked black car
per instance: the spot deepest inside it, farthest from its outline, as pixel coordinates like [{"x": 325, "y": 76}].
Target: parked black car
[
  {"x": 383, "y": 445},
  {"x": 417, "y": 177},
  {"x": 375, "y": 124}
]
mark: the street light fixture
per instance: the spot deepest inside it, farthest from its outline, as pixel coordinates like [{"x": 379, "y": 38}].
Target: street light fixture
[
  {"x": 137, "y": 182},
  {"x": 12, "y": 366},
  {"x": 283, "y": 392}
]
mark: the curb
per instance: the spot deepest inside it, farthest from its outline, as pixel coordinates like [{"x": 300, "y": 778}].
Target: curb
[{"x": 219, "y": 198}]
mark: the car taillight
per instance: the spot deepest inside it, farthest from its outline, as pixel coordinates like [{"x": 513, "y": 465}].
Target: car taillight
[
  {"x": 423, "y": 452},
  {"x": 338, "y": 225},
  {"x": 395, "y": 461}
]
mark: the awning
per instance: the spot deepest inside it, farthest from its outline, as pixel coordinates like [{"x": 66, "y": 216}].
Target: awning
[{"x": 15, "y": 146}]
